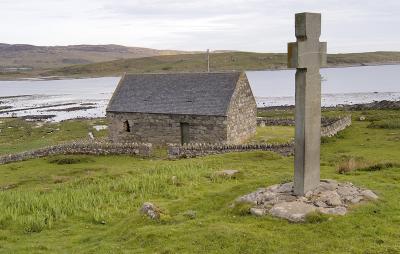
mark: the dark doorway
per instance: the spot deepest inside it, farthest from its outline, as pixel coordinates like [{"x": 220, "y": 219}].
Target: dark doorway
[
  {"x": 185, "y": 133},
  {"x": 127, "y": 128}
]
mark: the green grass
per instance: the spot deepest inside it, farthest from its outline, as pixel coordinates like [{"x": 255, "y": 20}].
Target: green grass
[
  {"x": 93, "y": 207},
  {"x": 18, "y": 135},
  {"x": 386, "y": 124},
  {"x": 273, "y": 134}
]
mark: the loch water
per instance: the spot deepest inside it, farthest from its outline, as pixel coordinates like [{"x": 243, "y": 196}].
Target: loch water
[{"x": 81, "y": 98}]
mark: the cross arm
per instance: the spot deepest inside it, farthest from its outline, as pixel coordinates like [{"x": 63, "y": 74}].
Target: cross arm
[{"x": 301, "y": 54}]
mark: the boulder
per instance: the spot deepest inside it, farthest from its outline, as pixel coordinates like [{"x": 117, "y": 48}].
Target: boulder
[{"x": 150, "y": 210}]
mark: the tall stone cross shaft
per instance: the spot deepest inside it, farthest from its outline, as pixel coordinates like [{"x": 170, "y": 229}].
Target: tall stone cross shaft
[{"x": 307, "y": 55}]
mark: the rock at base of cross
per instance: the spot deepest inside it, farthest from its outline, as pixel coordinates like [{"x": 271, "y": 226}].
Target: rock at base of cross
[{"x": 329, "y": 197}]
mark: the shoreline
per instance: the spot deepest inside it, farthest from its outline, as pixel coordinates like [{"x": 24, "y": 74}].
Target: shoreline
[
  {"x": 50, "y": 78},
  {"x": 375, "y": 105}
]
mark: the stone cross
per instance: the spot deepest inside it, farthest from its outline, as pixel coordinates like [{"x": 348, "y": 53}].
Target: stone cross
[{"x": 307, "y": 55}]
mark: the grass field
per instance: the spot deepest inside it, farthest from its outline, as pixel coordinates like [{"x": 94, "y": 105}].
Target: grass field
[
  {"x": 90, "y": 204},
  {"x": 18, "y": 135}
]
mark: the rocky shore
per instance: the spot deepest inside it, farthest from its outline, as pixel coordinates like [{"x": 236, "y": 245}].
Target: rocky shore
[{"x": 376, "y": 105}]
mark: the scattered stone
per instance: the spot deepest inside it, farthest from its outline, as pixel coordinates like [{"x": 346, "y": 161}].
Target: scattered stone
[
  {"x": 175, "y": 181},
  {"x": 229, "y": 173},
  {"x": 150, "y": 210},
  {"x": 329, "y": 197},
  {"x": 100, "y": 127}
]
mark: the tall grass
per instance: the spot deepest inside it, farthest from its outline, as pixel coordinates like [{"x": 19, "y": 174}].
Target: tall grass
[
  {"x": 350, "y": 164},
  {"x": 95, "y": 199},
  {"x": 386, "y": 124}
]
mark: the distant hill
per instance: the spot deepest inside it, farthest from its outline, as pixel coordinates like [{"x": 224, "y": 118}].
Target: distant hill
[
  {"x": 44, "y": 57},
  {"x": 94, "y": 60},
  {"x": 218, "y": 62}
]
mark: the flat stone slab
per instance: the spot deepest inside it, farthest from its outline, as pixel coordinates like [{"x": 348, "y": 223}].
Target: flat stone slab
[
  {"x": 329, "y": 197},
  {"x": 295, "y": 211}
]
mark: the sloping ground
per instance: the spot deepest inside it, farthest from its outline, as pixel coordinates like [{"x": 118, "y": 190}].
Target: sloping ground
[
  {"x": 218, "y": 62},
  {"x": 91, "y": 204},
  {"x": 42, "y": 57}
]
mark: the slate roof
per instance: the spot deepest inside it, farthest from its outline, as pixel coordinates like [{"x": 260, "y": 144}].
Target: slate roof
[{"x": 177, "y": 93}]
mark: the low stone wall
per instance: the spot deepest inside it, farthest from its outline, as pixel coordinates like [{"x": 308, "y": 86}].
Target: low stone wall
[
  {"x": 267, "y": 121},
  {"x": 335, "y": 126},
  {"x": 329, "y": 126},
  {"x": 271, "y": 121},
  {"x": 194, "y": 150},
  {"x": 89, "y": 148}
]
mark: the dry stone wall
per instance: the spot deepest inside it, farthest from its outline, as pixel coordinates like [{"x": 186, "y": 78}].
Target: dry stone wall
[
  {"x": 194, "y": 150},
  {"x": 268, "y": 121},
  {"x": 92, "y": 148},
  {"x": 329, "y": 126},
  {"x": 335, "y": 126}
]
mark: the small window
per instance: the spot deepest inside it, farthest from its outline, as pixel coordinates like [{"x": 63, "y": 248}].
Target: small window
[{"x": 127, "y": 128}]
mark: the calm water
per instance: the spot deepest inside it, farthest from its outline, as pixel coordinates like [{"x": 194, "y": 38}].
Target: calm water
[
  {"x": 349, "y": 85},
  {"x": 341, "y": 86}
]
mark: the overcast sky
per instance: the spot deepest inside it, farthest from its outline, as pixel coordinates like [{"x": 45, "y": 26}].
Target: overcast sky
[{"x": 248, "y": 25}]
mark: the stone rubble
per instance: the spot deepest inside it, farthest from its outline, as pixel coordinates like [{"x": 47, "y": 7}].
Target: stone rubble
[{"x": 329, "y": 197}]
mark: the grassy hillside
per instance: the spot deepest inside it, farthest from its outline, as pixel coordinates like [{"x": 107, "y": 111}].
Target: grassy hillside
[
  {"x": 91, "y": 205},
  {"x": 43, "y": 57},
  {"x": 219, "y": 62}
]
